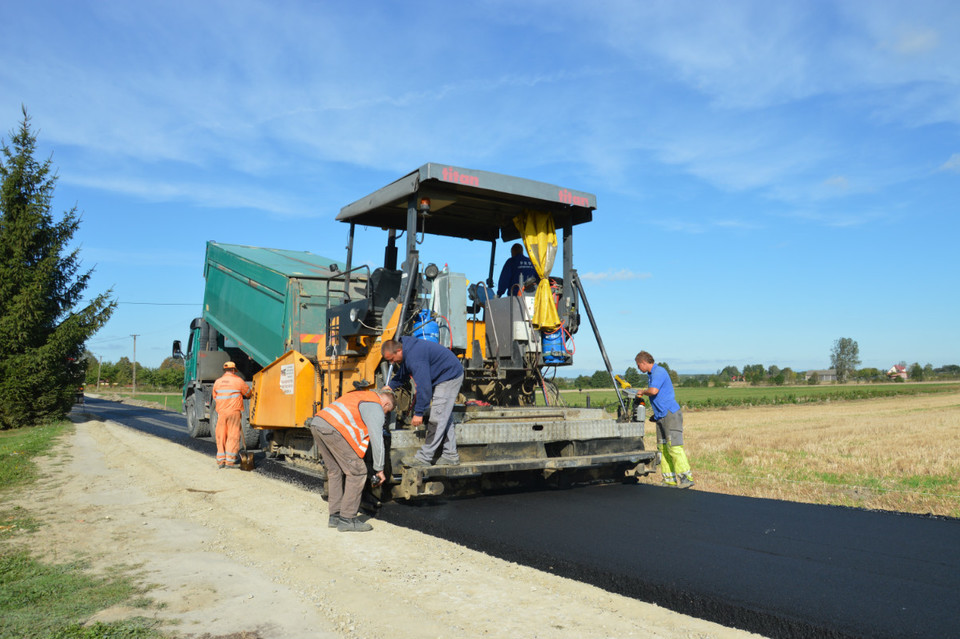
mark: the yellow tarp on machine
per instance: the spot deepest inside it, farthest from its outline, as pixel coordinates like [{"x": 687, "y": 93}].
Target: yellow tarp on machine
[{"x": 540, "y": 238}]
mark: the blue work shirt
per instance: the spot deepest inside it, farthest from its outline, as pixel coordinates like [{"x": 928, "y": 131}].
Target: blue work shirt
[
  {"x": 429, "y": 364},
  {"x": 665, "y": 401},
  {"x": 513, "y": 269}
]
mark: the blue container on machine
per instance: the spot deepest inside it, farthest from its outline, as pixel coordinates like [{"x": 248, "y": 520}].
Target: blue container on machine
[
  {"x": 427, "y": 327},
  {"x": 554, "y": 350}
]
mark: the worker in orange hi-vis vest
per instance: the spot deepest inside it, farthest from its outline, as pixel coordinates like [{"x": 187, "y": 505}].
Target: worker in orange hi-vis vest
[
  {"x": 343, "y": 431},
  {"x": 228, "y": 393}
]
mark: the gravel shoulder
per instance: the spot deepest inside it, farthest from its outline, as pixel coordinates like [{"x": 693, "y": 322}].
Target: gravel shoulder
[{"x": 236, "y": 554}]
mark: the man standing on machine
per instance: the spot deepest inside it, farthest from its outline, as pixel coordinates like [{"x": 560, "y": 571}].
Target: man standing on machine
[{"x": 516, "y": 267}]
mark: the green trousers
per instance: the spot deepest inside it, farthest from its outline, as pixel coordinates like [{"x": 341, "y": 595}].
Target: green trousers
[{"x": 673, "y": 460}]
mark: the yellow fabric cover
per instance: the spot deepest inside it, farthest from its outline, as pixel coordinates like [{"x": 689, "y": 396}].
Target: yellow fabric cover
[{"x": 540, "y": 238}]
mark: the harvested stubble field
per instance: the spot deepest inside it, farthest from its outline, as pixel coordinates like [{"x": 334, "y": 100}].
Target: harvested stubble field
[{"x": 899, "y": 454}]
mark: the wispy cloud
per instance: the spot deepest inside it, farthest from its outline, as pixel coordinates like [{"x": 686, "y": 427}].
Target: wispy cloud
[
  {"x": 615, "y": 275},
  {"x": 840, "y": 218},
  {"x": 700, "y": 226},
  {"x": 952, "y": 165},
  {"x": 837, "y": 182},
  {"x": 215, "y": 195},
  {"x": 915, "y": 41},
  {"x": 95, "y": 255}
]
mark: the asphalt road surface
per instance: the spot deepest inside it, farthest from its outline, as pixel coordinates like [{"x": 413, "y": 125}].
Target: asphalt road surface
[{"x": 777, "y": 568}]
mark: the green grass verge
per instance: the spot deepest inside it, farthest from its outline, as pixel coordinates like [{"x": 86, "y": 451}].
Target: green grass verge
[
  {"x": 168, "y": 401},
  {"x": 40, "y": 600},
  {"x": 18, "y": 447},
  {"x": 44, "y": 600}
]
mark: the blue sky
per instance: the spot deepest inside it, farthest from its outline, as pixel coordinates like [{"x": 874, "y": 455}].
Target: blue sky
[{"x": 770, "y": 176}]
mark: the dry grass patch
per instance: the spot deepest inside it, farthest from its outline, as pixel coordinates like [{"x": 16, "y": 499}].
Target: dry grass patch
[{"x": 900, "y": 454}]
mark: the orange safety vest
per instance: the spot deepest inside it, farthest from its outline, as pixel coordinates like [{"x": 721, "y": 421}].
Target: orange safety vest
[
  {"x": 344, "y": 415},
  {"x": 228, "y": 393}
]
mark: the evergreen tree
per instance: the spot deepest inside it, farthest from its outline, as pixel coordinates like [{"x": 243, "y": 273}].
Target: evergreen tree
[{"x": 42, "y": 331}]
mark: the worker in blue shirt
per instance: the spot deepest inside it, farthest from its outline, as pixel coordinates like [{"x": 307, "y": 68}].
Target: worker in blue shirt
[
  {"x": 666, "y": 412},
  {"x": 516, "y": 270},
  {"x": 438, "y": 375}
]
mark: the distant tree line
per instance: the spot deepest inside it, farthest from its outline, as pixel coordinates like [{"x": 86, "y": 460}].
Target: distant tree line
[
  {"x": 757, "y": 375},
  {"x": 120, "y": 373},
  {"x": 844, "y": 358}
]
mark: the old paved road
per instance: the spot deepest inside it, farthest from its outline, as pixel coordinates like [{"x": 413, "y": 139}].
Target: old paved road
[{"x": 777, "y": 568}]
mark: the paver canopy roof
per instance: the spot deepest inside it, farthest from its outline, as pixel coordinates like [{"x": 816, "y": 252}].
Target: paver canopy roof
[{"x": 466, "y": 203}]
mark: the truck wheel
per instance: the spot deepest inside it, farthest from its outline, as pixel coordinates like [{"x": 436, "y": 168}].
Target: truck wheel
[
  {"x": 251, "y": 436},
  {"x": 196, "y": 427}
]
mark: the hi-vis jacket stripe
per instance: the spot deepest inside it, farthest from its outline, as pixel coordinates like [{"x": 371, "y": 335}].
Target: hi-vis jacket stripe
[
  {"x": 344, "y": 415},
  {"x": 228, "y": 393}
]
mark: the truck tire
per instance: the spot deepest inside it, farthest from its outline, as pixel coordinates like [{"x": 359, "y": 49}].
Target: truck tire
[
  {"x": 251, "y": 436},
  {"x": 196, "y": 427}
]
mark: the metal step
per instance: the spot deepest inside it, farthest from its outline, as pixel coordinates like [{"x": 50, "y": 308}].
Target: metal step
[{"x": 476, "y": 469}]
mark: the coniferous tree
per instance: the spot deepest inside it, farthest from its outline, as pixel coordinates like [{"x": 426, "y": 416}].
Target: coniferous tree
[{"x": 42, "y": 328}]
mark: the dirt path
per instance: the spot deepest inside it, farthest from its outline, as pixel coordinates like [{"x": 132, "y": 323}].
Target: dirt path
[{"x": 239, "y": 554}]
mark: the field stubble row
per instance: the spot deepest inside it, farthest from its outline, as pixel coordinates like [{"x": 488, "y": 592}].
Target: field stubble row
[{"x": 900, "y": 454}]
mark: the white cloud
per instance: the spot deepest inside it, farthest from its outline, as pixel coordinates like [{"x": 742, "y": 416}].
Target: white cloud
[
  {"x": 216, "y": 195},
  {"x": 952, "y": 165},
  {"x": 914, "y": 41},
  {"x": 167, "y": 259},
  {"x": 837, "y": 182},
  {"x": 612, "y": 275}
]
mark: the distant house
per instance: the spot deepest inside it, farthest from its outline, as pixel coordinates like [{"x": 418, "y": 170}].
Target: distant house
[
  {"x": 897, "y": 371},
  {"x": 829, "y": 375}
]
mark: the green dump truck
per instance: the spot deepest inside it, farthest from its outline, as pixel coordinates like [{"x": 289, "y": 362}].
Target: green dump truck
[{"x": 258, "y": 304}]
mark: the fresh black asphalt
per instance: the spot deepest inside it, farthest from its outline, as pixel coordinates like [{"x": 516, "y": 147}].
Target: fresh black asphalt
[{"x": 776, "y": 568}]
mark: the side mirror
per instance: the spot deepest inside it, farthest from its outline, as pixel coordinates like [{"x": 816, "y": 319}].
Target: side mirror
[{"x": 176, "y": 349}]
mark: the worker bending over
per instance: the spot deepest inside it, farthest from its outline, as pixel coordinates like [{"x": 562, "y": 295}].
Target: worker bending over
[
  {"x": 438, "y": 375},
  {"x": 516, "y": 270},
  {"x": 228, "y": 393},
  {"x": 343, "y": 431},
  {"x": 669, "y": 418}
]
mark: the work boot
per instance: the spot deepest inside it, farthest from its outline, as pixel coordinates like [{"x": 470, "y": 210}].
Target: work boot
[
  {"x": 334, "y": 521},
  {"x": 447, "y": 461},
  {"x": 353, "y": 524},
  {"x": 684, "y": 482},
  {"x": 416, "y": 462}
]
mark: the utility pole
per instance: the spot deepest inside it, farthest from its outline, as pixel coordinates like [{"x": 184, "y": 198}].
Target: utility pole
[
  {"x": 99, "y": 367},
  {"x": 134, "y": 363}
]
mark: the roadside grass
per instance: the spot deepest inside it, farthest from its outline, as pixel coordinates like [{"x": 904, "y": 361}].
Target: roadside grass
[
  {"x": 52, "y": 601},
  {"x": 18, "y": 447},
  {"x": 168, "y": 401},
  {"x": 889, "y": 453}
]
